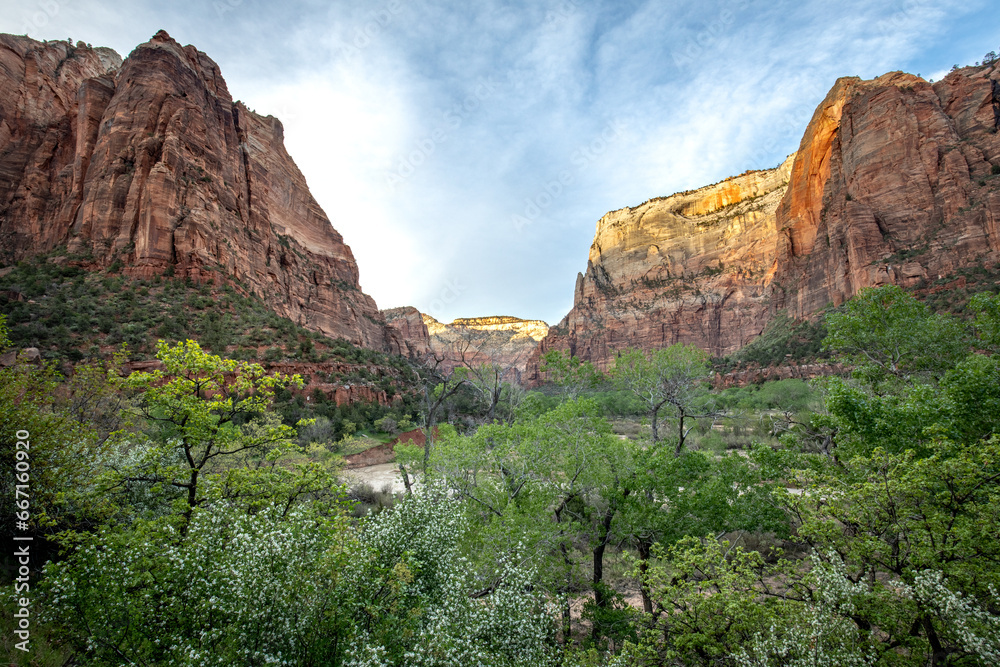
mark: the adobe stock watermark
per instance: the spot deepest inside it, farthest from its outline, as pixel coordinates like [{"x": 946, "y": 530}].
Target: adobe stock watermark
[
  {"x": 285, "y": 112},
  {"x": 22, "y": 541},
  {"x": 555, "y": 186},
  {"x": 448, "y": 295},
  {"x": 223, "y": 7},
  {"x": 406, "y": 165},
  {"x": 40, "y": 16},
  {"x": 902, "y": 17},
  {"x": 376, "y": 22},
  {"x": 700, "y": 43},
  {"x": 561, "y": 12}
]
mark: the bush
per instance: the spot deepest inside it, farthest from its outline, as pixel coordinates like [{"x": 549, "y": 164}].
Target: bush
[
  {"x": 387, "y": 425},
  {"x": 239, "y": 589}
]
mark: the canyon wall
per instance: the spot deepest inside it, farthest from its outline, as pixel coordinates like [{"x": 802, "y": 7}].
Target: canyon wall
[
  {"x": 148, "y": 162},
  {"x": 409, "y": 330},
  {"x": 509, "y": 342},
  {"x": 896, "y": 180}
]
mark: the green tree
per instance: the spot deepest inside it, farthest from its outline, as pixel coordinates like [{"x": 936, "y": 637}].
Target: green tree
[
  {"x": 67, "y": 422},
  {"x": 570, "y": 373},
  {"x": 556, "y": 483},
  {"x": 674, "y": 376},
  {"x": 695, "y": 494},
  {"x": 490, "y": 372},
  {"x": 438, "y": 386},
  {"x": 209, "y": 435},
  {"x": 887, "y": 334},
  {"x": 987, "y": 309},
  {"x": 901, "y": 522}
]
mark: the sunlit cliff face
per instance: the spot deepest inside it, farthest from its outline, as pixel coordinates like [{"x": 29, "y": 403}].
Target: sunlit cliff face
[{"x": 893, "y": 183}]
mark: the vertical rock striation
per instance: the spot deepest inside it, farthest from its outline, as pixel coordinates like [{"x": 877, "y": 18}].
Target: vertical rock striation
[
  {"x": 150, "y": 162},
  {"x": 893, "y": 182},
  {"x": 692, "y": 268},
  {"x": 894, "y": 185},
  {"x": 410, "y": 335}
]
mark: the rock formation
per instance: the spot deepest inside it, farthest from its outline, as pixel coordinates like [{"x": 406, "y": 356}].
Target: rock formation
[
  {"x": 149, "y": 162},
  {"x": 509, "y": 342},
  {"x": 410, "y": 336},
  {"x": 896, "y": 180},
  {"x": 895, "y": 183},
  {"x": 690, "y": 268}
]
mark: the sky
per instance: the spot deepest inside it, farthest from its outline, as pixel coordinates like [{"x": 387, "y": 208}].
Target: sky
[{"x": 466, "y": 150}]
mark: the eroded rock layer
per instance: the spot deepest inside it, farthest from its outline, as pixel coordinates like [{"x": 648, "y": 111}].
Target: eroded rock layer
[
  {"x": 692, "y": 267},
  {"x": 896, "y": 180},
  {"x": 150, "y": 162},
  {"x": 509, "y": 342},
  {"x": 410, "y": 333}
]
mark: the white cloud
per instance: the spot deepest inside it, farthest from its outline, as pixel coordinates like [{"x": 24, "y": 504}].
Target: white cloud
[{"x": 475, "y": 107}]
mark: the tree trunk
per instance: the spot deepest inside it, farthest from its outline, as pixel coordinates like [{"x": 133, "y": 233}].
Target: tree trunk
[
  {"x": 192, "y": 500},
  {"x": 652, "y": 421},
  {"x": 406, "y": 479},
  {"x": 429, "y": 438},
  {"x": 939, "y": 655},
  {"x": 647, "y": 602},
  {"x": 567, "y": 617},
  {"x": 680, "y": 436},
  {"x": 601, "y": 598}
]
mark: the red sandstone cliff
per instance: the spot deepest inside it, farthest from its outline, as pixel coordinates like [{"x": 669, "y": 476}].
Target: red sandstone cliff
[
  {"x": 409, "y": 332},
  {"x": 150, "y": 161},
  {"x": 893, "y": 183}
]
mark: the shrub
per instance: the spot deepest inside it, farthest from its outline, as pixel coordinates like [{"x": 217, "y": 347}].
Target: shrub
[{"x": 387, "y": 425}]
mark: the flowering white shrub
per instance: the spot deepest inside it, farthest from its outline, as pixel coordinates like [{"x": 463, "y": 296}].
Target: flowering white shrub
[
  {"x": 973, "y": 629},
  {"x": 821, "y": 634},
  {"x": 431, "y": 612},
  {"x": 238, "y": 589},
  {"x": 298, "y": 589}
]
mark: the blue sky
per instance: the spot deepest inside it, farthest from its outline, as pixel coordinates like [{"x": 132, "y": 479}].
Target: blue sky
[{"x": 466, "y": 150}]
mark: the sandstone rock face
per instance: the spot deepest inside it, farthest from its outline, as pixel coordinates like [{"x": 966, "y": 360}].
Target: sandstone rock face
[
  {"x": 509, "y": 342},
  {"x": 409, "y": 333},
  {"x": 893, "y": 183},
  {"x": 689, "y": 268},
  {"x": 150, "y": 162}
]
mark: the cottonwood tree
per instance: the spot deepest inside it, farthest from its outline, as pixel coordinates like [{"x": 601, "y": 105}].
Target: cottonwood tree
[
  {"x": 696, "y": 493},
  {"x": 208, "y": 435},
  {"x": 438, "y": 385},
  {"x": 491, "y": 372},
  {"x": 674, "y": 378},
  {"x": 570, "y": 373},
  {"x": 886, "y": 334},
  {"x": 556, "y": 483}
]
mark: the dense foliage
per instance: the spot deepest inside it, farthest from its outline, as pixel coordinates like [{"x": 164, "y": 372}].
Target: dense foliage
[{"x": 638, "y": 519}]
